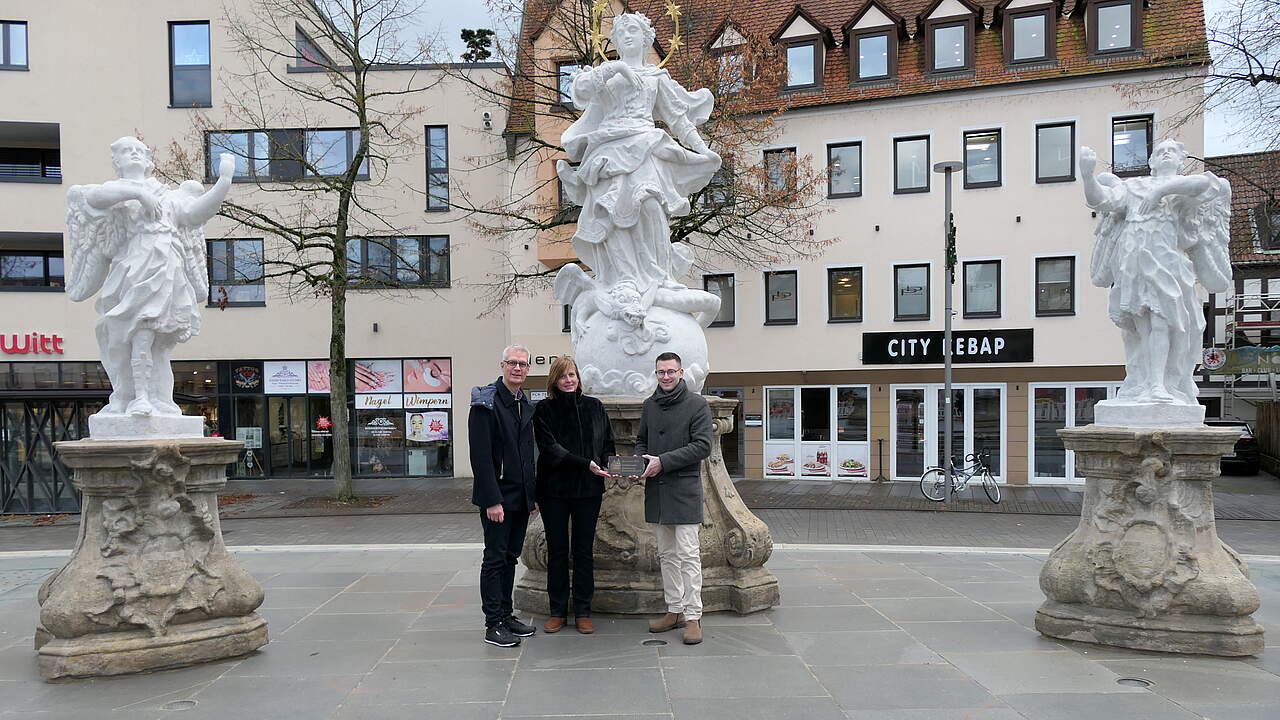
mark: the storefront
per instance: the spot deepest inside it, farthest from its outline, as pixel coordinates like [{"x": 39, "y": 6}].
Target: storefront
[
  {"x": 1054, "y": 406},
  {"x": 917, "y": 439},
  {"x": 816, "y": 431}
]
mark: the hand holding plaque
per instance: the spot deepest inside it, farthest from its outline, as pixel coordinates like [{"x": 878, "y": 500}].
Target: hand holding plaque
[{"x": 626, "y": 465}]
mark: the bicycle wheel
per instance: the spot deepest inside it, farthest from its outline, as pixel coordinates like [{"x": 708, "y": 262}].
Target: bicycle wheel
[
  {"x": 990, "y": 487},
  {"x": 933, "y": 483}
]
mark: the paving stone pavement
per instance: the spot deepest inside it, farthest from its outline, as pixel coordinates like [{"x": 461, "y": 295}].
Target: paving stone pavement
[{"x": 859, "y": 635}]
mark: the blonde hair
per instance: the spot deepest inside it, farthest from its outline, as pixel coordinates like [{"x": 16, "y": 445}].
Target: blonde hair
[{"x": 559, "y": 368}]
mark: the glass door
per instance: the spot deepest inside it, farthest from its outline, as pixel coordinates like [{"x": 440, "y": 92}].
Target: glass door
[
  {"x": 780, "y": 432},
  {"x": 977, "y": 423},
  {"x": 815, "y": 432},
  {"x": 908, "y": 455}
]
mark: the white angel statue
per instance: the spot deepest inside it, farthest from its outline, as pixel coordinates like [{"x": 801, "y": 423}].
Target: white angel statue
[
  {"x": 1156, "y": 237},
  {"x": 139, "y": 244}
]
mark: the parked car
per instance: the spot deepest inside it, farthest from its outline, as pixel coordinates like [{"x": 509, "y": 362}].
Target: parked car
[{"x": 1245, "y": 455}]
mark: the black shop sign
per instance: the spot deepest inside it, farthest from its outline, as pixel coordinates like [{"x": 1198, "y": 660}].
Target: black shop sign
[{"x": 969, "y": 347}]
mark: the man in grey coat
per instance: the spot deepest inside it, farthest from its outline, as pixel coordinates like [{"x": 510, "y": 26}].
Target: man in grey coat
[{"x": 675, "y": 437}]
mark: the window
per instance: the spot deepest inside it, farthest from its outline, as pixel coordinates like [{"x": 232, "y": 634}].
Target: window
[
  {"x": 911, "y": 292},
  {"x": 722, "y": 287},
  {"x": 13, "y": 45},
  {"x": 437, "y": 168},
  {"x": 30, "y": 164},
  {"x": 566, "y": 211},
  {"x": 802, "y": 65},
  {"x": 844, "y": 295},
  {"x": 252, "y": 151},
  {"x": 911, "y": 165},
  {"x": 733, "y": 76},
  {"x": 719, "y": 192},
  {"x": 1112, "y": 26},
  {"x": 982, "y": 289},
  {"x": 780, "y": 168},
  {"x": 567, "y": 326},
  {"x": 329, "y": 152},
  {"x": 309, "y": 55},
  {"x": 1029, "y": 36},
  {"x": 189, "y": 74},
  {"x": 875, "y": 56},
  {"x": 949, "y": 46},
  {"x": 844, "y": 170},
  {"x": 1055, "y": 286},
  {"x": 564, "y": 81},
  {"x": 418, "y": 261},
  {"x": 982, "y": 158},
  {"x": 1130, "y": 145},
  {"x": 1055, "y": 152},
  {"x": 235, "y": 273},
  {"x": 30, "y": 269},
  {"x": 1266, "y": 218},
  {"x": 780, "y": 306}
]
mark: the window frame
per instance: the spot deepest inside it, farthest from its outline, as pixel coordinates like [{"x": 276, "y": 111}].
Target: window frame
[
  {"x": 928, "y": 157},
  {"x": 562, "y": 101},
  {"x": 862, "y": 307},
  {"x": 931, "y": 26},
  {"x": 45, "y": 255},
  {"x": 819, "y": 53},
  {"x": 733, "y": 287},
  {"x": 1071, "y": 148},
  {"x": 964, "y": 144},
  {"x": 891, "y": 49},
  {"x": 367, "y": 282},
  {"x": 964, "y": 288},
  {"x": 252, "y": 176},
  {"x": 6, "y": 49},
  {"x": 298, "y": 139},
  {"x": 1035, "y": 286},
  {"x": 438, "y": 171},
  {"x": 1145, "y": 169},
  {"x": 567, "y": 319},
  {"x": 1050, "y": 34},
  {"x": 300, "y": 60},
  {"x": 898, "y": 316},
  {"x": 768, "y": 276},
  {"x": 789, "y": 182},
  {"x": 230, "y": 262},
  {"x": 831, "y": 193},
  {"x": 1092, "y": 31},
  {"x": 173, "y": 66}
]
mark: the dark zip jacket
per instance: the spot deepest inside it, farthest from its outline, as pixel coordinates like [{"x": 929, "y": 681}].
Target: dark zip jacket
[
  {"x": 571, "y": 431},
  {"x": 502, "y": 450}
]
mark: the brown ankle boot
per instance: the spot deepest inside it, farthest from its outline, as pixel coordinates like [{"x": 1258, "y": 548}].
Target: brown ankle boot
[
  {"x": 692, "y": 632},
  {"x": 667, "y": 622},
  {"x": 553, "y": 624},
  {"x": 585, "y": 626}
]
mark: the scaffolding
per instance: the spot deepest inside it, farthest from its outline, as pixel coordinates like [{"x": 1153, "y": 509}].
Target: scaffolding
[{"x": 1252, "y": 320}]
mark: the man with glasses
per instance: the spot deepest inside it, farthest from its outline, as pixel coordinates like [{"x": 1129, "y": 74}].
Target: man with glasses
[
  {"x": 675, "y": 437},
  {"x": 501, "y": 428}
]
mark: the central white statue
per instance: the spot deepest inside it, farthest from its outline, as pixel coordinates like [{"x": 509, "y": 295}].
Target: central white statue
[
  {"x": 631, "y": 177},
  {"x": 139, "y": 244},
  {"x": 1156, "y": 237}
]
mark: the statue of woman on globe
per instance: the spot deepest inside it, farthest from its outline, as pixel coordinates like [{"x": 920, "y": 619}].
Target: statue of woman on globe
[{"x": 631, "y": 177}]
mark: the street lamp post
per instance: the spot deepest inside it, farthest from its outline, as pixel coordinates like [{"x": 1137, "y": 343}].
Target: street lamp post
[{"x": 947, "y": 168}]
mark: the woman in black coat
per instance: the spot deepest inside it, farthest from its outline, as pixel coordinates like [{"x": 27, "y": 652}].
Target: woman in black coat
[{"x": 574, "y": 444}]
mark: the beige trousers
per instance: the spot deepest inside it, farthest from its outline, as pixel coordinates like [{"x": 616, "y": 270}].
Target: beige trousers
[{"x": 680, "y": 557}]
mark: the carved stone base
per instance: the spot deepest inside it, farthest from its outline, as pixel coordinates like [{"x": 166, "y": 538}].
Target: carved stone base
[
  {"x": 133, "y": 651},
  {"x": 1145, "y": 568},
  {"x": 735, "y": 543},
  {"x": 150, "y": 583}
]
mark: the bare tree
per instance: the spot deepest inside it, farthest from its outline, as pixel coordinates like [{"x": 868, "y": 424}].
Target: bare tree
[
  {"x": 320, "y": 197},
  {"x": 749, "y": 216}
]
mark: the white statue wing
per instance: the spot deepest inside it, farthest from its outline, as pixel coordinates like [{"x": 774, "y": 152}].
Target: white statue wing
[
  {"x": 93, "y": 236},
  {"x": 193, "y": 246},
  {"x": 1106, "y": 240},
  {"x": 1208, "y": 228},
  {"x": 571, "y": 282}
]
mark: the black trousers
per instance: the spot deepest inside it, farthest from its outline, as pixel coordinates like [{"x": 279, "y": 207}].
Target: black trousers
[
  {"x": 502, "y": 544},
  {"x": 571, "y": 529}
]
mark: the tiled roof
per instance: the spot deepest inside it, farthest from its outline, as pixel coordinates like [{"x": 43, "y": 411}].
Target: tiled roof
[
  {"x": 1172, "y": 35},
  {"x": 1252, "y": 177}
]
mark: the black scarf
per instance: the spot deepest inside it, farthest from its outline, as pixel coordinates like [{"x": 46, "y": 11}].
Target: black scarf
[
  {"x": 568, "y": 407},
  {"x": 670, "y": 399}
]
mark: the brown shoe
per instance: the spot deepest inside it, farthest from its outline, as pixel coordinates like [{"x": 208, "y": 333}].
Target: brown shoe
[
  {"x": 585, "y": 626},
  {"x": 692, "y": 632},
  {"x": 666, "y": 622},
  {"x": 553, "y": 625}
]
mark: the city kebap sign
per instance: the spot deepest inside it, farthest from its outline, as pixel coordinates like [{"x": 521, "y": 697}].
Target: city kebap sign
[{"x": 969, "y": 346}]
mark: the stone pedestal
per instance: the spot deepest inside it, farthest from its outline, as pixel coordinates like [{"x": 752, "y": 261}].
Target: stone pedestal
[
  {"x": 735, "y": 543},
  {"x": 150, "y": 583},
  {"x": 1145, "y": 568}
]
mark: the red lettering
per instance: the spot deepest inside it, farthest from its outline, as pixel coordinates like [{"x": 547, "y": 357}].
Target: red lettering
[
  {"x": 44, "y": 344},
  {"x": 57, "y": 344},
  {"x": 12, "y": 347}
]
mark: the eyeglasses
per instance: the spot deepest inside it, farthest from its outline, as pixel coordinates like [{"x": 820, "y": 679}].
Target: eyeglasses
[
  {"x": 519, "y": 364},
  {"x": 667, "y": 373}
]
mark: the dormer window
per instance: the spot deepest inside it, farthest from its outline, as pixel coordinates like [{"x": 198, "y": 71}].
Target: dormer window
[
  {"x": 950, "y": 47},
  {"x": 1114, "y": 26},
  {"x": 871, "y": 37},
  {"x": 1029, "y": 32},
  {"x": 805, "y": 42},
  {"x": 948, "y": 31},
  {"x": 802, "y": 62},
  {"x": 726, "y": 47}
]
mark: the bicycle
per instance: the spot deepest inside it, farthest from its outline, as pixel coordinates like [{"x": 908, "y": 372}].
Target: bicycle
[{"x": 933, "y": 483}]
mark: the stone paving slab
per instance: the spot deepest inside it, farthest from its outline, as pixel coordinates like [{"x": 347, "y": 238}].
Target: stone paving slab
[{"x": 353, "y": 644}]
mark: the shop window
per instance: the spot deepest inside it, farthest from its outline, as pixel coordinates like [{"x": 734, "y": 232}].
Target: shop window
[
  {"x": 780, "y": 289},
  {"x": 844, "y": 170},
  {"x": 437, "y": 168},
  {"x": 780, "y": 169},
  {"x": 1054, "y": 407},
  {"x": 195, "y": 378},
  {"x": 781, "y": 406},
  {"x": 189, "y": 69},
  {"x": 852, "y": 414},
  {"x": 236, "y": 273},
  {"x": 911, "y": 292},
  {"x": 722, "y": 286},
  {"x": 31, "y": 270},
  {"x": 844, "y": 295},
  {"x": 1114, "y": 27},
  {"x": 13, "y": 45},
  {"x": 982, "y": 289},
  {"x": 1029, "y": 36},
  {"x": 1131, "y": 145},
  {"x": 1055, "y": 286},
  {"x": 1055, "y": 152},
  {"x": 911, "y": 165},
  {"x": 982, "y": 158}
]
